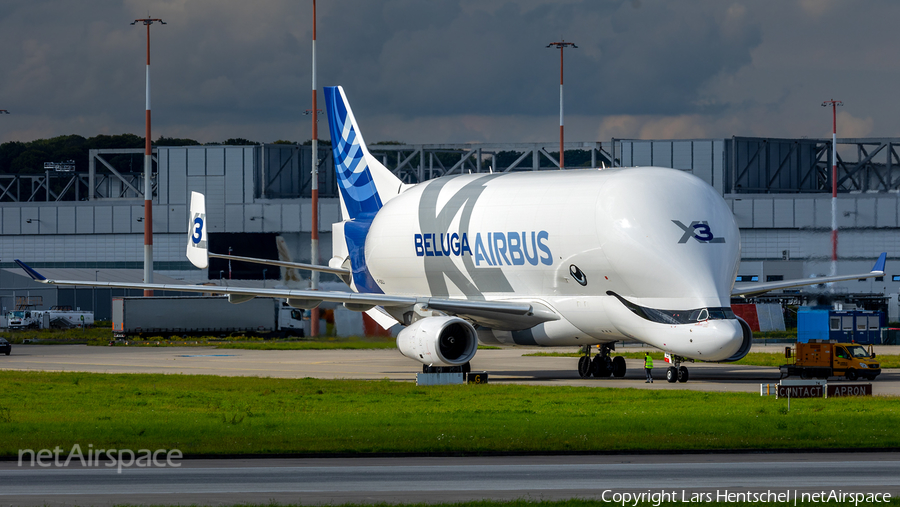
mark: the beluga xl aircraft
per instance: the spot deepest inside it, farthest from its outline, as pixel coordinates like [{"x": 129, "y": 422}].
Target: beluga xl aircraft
[{"x": 552, "y": 258}]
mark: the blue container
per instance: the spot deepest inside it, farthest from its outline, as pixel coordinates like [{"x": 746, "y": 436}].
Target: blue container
[
  {"x": 847, "y": 326},
  {"x": 812, "y": 324}
]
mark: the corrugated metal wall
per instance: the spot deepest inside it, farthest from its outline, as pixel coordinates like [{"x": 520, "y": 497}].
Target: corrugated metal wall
[{"x": 111, "y": 231}]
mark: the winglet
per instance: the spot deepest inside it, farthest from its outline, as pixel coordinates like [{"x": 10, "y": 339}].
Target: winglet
[
  {"x": 879, "y": 264},
  {"x": 31, "y": 272}
]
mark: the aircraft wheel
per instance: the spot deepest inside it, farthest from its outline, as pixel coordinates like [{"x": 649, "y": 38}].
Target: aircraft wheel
[
  {"x": 672, "y": 374},
  {"x": 851, "y": 374},
  {"x": 584, "y": 366},
  {"x": 601, "y": 367},
  {"x": 618, "y": 367},
  {"x": 683, "y": 374}
]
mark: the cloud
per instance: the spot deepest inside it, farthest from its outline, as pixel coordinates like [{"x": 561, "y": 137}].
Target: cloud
[
  {"x": 850, "y": 126},
  {"x": 449, "y": 70}
]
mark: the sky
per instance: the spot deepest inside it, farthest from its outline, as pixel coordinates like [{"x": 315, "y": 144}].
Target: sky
[{"x": 442, "y": 71}]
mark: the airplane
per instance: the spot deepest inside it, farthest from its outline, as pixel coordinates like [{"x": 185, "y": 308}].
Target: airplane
[{"x": 552, "y": 258}]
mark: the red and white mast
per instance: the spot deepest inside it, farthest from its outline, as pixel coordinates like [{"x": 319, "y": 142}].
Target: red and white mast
[
  {"x": 314, "y": 240},
  {"x": 148, "y": 171},
  {"x": 834, "y": 226},
  {"x": 561, "y": 45}
]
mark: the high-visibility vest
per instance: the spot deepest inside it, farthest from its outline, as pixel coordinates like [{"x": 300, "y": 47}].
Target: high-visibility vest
[{"x": 648, "y": 362}]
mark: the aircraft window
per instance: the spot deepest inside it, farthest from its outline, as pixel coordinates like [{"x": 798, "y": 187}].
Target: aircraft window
[
  {"x": 721, "y": 314},
  {"x": 675, "y": 316},
  {"x": 895, "y": 278},
  {"x": 747, "y": 278},
  {"x": 774, "y": 278},
  {"x": 698, "y": 315}
]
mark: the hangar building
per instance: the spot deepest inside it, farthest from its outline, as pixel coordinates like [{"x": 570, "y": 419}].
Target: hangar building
[{"x": 91, "y": 224}]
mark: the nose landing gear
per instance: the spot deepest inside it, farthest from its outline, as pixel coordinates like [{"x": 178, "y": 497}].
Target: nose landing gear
[
  {"x": 601, "y": 365},
  {"x": 677, "y": 373}
]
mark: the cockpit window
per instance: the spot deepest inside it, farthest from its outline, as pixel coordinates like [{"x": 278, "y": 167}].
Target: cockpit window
[
  {"x": 676, "y": 316},
  {"x": 701, "y": 314},
  {"x": 722, "y": 313}
]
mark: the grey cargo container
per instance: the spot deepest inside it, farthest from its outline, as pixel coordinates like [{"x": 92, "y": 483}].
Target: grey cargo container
[{"x": 192, "y": 315}]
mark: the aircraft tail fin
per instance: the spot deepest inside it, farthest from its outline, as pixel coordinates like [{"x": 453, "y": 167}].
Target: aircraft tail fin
[
  {"x": 365, "y": 184},
  {"x": 197, "y": 245}
]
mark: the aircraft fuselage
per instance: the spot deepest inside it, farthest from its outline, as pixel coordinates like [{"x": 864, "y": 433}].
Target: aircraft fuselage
[{"x": 583, "y": 243}]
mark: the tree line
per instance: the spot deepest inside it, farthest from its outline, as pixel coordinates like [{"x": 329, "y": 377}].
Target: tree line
[{"x": 18, "y": 157}]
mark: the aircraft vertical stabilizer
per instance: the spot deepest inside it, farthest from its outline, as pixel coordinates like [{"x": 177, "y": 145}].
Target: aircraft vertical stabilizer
[{"x": 364, "y": 183}]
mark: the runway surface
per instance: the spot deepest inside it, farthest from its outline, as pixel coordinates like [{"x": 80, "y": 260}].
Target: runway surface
[
  {"x": 319, "y": 481},
  {"x": 504, "y": 366}
]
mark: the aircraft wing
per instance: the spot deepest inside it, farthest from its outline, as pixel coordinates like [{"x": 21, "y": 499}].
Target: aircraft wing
[
  {"x": 284, "y": 264},
  {"x": 744, "y": 290},
  {"x": 509, "y": 315}
]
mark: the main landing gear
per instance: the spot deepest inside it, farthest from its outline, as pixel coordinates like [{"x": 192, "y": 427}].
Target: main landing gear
[
  {"x": 601, "y": 365},
  {"x": 677, "y": 373}
]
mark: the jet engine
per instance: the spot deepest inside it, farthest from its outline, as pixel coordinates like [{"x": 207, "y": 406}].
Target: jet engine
[
  {"x": 745, "y": 344},
  {"x": 439, "y": 341}
]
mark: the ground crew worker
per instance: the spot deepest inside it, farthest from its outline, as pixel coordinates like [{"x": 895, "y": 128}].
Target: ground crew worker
[{"x": 648, "y": 367}]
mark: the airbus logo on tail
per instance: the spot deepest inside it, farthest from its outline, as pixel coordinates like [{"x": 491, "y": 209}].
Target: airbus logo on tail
[{"x": 698, "y": 230}]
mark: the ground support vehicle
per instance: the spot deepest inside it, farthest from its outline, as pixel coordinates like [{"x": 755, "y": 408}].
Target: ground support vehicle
[{"x": 827, "y": 358}]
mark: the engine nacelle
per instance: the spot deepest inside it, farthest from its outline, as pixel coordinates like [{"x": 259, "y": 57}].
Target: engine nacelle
[
  {"x": 439, "y": 341},
  {"x": 745, "y": 344}
]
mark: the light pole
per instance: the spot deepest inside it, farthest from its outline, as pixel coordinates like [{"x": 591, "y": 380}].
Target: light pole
[
  {"x": 834, "y": 227},
  {"x": 314, "y": 239},
  {"x": 148, "y": 171},
  {"x": 561, "y": 45}
]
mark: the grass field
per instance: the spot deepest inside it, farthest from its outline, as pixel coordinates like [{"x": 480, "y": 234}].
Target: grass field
[{"x": 240, "y": 415}]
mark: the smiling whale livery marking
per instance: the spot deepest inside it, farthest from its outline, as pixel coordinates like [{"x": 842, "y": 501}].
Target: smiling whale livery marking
[{"x": 550, "y": 258}]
